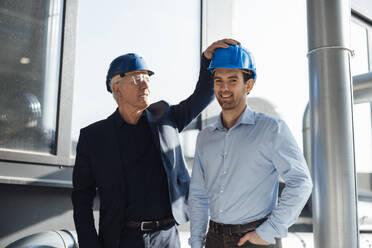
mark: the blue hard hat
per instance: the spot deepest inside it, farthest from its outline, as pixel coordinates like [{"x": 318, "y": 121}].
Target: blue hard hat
[
  {"x": 233, "y": 57},
  {"x": 126, "y": 63}
]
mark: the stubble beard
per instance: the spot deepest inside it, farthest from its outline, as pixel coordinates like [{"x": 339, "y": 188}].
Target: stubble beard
[
  {"x": 226, "y": 105},
  {"x": 229, "y": 104}
]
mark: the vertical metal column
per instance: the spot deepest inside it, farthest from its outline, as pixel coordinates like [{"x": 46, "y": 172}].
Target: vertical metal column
[{"x": 334, "y": 195}]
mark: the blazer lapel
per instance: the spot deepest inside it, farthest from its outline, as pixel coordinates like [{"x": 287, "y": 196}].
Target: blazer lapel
[
  {"x": 154, "y": 128},
  {"x": 113, "y": 136}
]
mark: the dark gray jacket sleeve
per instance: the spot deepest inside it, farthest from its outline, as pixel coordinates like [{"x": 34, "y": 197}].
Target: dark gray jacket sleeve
[{"x": 83, "y": 193}]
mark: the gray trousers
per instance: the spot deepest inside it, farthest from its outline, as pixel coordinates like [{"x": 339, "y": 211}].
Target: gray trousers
[{"x": 166, "y": 238}]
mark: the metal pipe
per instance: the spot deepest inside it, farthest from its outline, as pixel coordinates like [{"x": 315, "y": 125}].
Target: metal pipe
[
  {"x": 334, "y": 196},
  {"x": 306, "y": 138},
  {"x": 362, "y": 93},
  {"x": 60, "y": 239},
  {"x": 362, "y": 88}
]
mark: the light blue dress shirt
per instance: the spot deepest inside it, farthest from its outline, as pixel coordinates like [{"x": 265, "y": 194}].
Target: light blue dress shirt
[{"x": 235, "y": 177}]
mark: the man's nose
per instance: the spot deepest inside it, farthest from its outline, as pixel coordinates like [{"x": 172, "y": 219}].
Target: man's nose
[
  {"x": 225, "y": 86},
  {"x": 144, "y": 84}
]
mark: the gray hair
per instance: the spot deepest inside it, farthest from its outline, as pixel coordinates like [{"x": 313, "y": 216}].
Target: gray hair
[{"x": 112, "y": 82}]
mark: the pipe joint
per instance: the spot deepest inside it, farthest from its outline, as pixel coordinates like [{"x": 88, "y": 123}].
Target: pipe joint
[{"x": 352, "y": 53}]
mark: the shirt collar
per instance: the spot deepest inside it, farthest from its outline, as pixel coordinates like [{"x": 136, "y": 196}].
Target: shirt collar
[
  {"x": 119, "y": 121},
  {"x": 247, "y": 117}
]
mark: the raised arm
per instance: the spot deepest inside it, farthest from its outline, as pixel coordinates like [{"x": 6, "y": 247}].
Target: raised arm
[{"x": 184, "y": 112}]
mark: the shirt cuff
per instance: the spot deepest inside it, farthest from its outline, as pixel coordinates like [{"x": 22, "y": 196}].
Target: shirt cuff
[
  {"x": 196, "y": 244},
  {"x": 267, "y": 232}
]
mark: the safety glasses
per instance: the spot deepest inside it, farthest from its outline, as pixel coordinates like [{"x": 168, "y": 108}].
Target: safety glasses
[
  {"x": 136, "y": 79},
  {"x": 139, "y": 78}
]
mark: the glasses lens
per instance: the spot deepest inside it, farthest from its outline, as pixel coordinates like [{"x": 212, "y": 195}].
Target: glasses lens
[{"x": 138, "y": 79}]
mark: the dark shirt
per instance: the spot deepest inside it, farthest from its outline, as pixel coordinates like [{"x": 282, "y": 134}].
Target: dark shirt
[{"x": 147, "y": 195}]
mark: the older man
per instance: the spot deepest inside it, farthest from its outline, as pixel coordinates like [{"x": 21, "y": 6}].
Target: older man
[
  {"x": 238, "y": 161},
  {"x": 134, "y": 159}
]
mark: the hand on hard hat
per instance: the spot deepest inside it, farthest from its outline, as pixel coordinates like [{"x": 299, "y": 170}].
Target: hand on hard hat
[
  {"x": 224, "y": 43},
  {"x": 233, "y": 57}
]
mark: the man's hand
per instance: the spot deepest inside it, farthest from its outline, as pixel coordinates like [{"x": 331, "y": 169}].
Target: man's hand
[
  {"x": 252, "y": 237},
  {"x": 208, "y": 53}
]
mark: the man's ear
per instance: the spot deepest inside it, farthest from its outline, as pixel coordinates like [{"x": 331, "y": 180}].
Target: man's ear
[
  {"x": 115, "y": 89},
  {"x": 249, "y": 85}
]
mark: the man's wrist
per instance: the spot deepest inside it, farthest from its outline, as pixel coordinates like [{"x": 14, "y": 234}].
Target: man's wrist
[
  {"x": 196, "y": 244},
  {"x": 265, "y": 235}
]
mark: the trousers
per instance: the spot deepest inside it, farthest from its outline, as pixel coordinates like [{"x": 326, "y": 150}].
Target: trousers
[
  {"x": 165, "y": 238},
  {"x": 228, "y": 236}
]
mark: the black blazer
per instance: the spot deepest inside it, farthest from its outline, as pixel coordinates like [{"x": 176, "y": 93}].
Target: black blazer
[{"x": 98, "y": 166}]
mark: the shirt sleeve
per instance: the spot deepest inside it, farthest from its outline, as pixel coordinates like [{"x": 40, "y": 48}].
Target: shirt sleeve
[
  {"x": 198, "y": 202},
  {"x": 291, "y": 165}
]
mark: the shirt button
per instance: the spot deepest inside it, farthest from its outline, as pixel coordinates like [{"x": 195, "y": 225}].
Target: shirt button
[
  {"x": 227, "y": 134},
  {"x": 221, "y": 211},
  {"x": 221, "y": 190},
  {"x": 225, "y": 154},
  {"x": 225, "y": 172}
]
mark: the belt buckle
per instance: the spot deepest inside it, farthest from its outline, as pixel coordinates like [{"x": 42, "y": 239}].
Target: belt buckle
[{"x": 142, "y": 226}]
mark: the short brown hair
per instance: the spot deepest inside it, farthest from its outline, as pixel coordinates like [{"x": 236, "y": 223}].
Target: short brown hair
[{"x": 247, "y": 75}]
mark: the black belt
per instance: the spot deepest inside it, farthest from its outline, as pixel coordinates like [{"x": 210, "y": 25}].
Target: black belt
[
  {"x": 151, "y": 225},
  {"x": 234, "y": 229}
]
